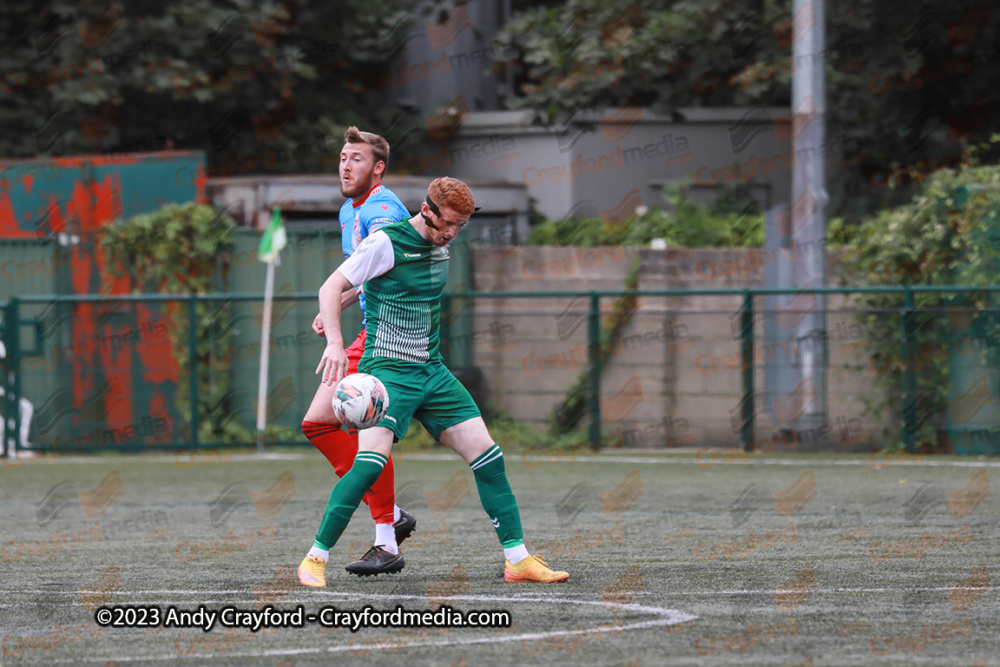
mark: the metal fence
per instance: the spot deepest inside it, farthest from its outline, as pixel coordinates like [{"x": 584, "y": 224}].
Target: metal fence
[
  {"x": 904, "y": 366},
  {"x": 915, "y": 366},
  {"x": 157, "y": 371}
]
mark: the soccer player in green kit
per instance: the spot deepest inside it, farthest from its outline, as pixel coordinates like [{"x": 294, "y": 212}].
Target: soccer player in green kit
[{"x": 404, "y": 268}]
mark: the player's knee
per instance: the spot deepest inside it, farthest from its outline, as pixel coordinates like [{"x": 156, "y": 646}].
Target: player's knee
[{"x": 311, "y": 429}]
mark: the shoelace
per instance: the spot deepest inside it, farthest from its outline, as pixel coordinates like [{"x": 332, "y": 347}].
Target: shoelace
[{"x": 377, "y": 548}]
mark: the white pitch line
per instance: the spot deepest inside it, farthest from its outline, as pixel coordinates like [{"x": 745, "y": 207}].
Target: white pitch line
[
  {"x": 670, "y": 617},
  {"x": 598, "y": 458},
  {"x": 562, "y": 457},
  {"x": 527, "y": 597},
  {"x": 896, "y": 465},
  {"x": 837, "y": 590},
  {"x": 752, "y": 459},
  {"x": 763, "y": 591}
]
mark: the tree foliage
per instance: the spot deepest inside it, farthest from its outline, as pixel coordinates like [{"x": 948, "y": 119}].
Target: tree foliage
[
  {"x": 267, "y": 86},
  {"x": 175, "y": 249},
  {"x": 724, "y": 222},
  {"x": 949, "y": 234},
  {"x": 183, "y": 249},
  {"x": 905, "y": 86}
]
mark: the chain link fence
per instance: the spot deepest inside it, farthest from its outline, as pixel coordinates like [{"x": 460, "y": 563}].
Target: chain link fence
[{"x": 665, "y": 369}]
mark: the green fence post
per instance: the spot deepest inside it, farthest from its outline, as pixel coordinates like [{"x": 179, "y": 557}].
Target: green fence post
[
  {"x": 909, "y": 381},
  {"x": 594, "y": 345},
  {"x": 746, "y": 358},
  {"x": 14, "y": 362},
  {"x": 12, "y": 430},
  {"x": 193, "y": 345}
]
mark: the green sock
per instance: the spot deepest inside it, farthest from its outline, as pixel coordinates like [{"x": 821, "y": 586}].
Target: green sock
[
  {"x": 497, "y": 498},
  {"x": 346, "y": 496}
]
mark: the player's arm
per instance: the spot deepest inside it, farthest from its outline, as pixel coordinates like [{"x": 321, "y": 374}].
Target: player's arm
[
  {"x": 350, "y": 297},
  {"x": 371, "y": 222},
  {"x": 333, "y": 363},
  {"x": 347, "y": 299},
  {"x": 371, "y": 259},
  {"x": 374, "y": 218}
]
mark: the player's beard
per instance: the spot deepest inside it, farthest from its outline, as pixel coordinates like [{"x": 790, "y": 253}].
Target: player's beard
[
  {"x": 361, "y": 188},
  {"x": 440, "y": 240}
]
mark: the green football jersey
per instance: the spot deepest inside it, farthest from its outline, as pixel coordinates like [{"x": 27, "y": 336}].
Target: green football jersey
[{"x": 403, "y": 305}]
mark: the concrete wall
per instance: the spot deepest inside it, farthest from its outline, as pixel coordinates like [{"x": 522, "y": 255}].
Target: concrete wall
[
  {"x": 674, "y": 379},
  {"x": 608, "y": 163},
  {"x": 249, "y": 200}
]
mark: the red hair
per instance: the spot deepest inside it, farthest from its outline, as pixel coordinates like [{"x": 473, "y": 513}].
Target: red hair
[{"x": 452, "y": 193}]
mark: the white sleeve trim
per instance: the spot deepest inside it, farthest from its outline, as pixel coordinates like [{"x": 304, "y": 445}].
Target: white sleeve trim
[{"x": 371, "y": 259}]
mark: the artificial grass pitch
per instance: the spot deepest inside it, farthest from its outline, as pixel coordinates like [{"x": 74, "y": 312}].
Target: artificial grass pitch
[{"x": 673, "y": 559}]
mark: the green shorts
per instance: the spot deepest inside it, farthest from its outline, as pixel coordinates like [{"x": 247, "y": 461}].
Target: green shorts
[{"x": 427, "y": 392}]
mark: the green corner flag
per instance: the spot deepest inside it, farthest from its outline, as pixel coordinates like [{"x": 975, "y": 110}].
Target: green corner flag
[{"x": 274, "y": 239}]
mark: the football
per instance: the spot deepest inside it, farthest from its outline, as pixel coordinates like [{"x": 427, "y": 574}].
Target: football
[{"x": 360, "y": 401}]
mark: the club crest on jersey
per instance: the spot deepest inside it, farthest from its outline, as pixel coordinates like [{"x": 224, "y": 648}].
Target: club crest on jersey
[{"x": 440, "y": 253}]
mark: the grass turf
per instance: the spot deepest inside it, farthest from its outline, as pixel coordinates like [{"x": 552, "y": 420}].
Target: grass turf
[{"x": 785, "y": 560}]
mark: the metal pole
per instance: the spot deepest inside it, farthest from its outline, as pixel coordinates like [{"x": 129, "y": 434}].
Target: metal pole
[
  {"x": 809, "y": 199},
  {"x": 265, "y": 356},
  {"x": 594, "y": 342},
  {"x": 10, "y": 372},
  {"x": 14, "y": 374},
  {"x": 909, "y": 402},
  {"x": 746, "y": 359},
  {"x": 193, "y": 381}
]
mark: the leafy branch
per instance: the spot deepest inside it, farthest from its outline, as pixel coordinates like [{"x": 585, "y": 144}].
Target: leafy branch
[{"x": 183, "y": 249}]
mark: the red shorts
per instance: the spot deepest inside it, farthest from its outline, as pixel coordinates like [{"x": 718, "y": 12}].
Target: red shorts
[{"x": 355, "y": 351}]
